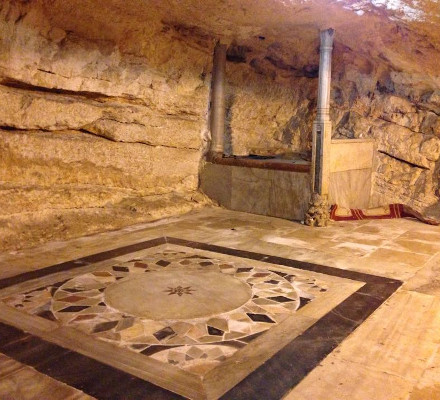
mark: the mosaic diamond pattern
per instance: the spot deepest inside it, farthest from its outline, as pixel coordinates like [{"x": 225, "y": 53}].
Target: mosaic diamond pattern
[{"x": 197, "y": 344}]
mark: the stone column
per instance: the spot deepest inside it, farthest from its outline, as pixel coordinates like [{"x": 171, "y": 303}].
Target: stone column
[
  {"x": 218, "y": 111},
  {"x": 322, "y": 132}
]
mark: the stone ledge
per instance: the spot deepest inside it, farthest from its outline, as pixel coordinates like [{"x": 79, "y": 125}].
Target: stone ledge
[{"x": 273, "y": 164}]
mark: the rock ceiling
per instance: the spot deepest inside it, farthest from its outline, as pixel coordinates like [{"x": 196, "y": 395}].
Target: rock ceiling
[{"x": 403, "y": 33}]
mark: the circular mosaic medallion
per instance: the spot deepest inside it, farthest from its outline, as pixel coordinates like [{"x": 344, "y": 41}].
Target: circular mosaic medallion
[
  {"x": 173, "y": 298},
  {"x": 177, "y": 294}
]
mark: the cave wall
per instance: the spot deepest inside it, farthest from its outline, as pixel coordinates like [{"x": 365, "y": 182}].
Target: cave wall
[
  {"x": 272, "y": 102},
  {"x": 99, "y": 127},
  {"x": 104, "y": 115},
  {"x": 400, "y": 110},
  {"x": 271, "y": 98}
]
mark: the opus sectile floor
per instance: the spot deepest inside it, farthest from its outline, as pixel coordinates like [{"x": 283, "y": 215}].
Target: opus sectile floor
[{"x": 179, "y": 309}]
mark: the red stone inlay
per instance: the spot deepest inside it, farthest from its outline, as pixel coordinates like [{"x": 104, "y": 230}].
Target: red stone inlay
[
  {"x": 140, "y": 265},
  {"x": 102, "y": 273}
]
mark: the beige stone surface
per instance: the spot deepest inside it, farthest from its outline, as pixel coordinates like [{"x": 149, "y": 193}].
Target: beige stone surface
[
  {"x": 31, "y": 228},
  {"x": 216, "y": 182},
  {"x": 99, "y": 131},
  {"x": 352, "y": 154},
  {"x": 115, "y": 119},
  {"x": 383, "y": 341},
  {"x": 282, "y": 194},
  {"x": 342, "y": 380},
  {"x": 19, "y": 382},
  {"x": 427, "y": 278},
  {"x": 131, "y": 84},
  {"x": 202, "y": 293},
  {"x": 78, "y": 158},
  {"x": 351, "y": 188},
  {"x": 393, "y": 355}
]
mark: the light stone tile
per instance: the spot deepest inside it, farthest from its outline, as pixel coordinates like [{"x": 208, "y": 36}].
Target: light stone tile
[
  {"x": 351, "y": 155},
  {"x": 350, "y": 189},
  {"x": 355, "y": 249},
  {"x": 8, "y": 365},
  {"x": 28, "y": 384},
  {"x": 343, "y": 380},
  {"x": 383, "y": 255},
  {"x": 400, "y": 338},
  {"x": 414, "y": 245},
  {"x": 381, "y": 231},
  {"x": 428, "y": 388},
  {"x": 428, "y": 234},
  {"x": 361, "y": 238},
  {"x": 294, "y": 242},
  {"x": 374, "y": 266},
  {"x": 427, "y": 280}
]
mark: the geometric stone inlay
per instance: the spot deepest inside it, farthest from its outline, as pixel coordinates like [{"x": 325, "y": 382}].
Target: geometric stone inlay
[{"x": 212, "y": 293}]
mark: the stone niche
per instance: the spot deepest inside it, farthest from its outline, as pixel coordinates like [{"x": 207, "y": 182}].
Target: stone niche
[{"x": 262, "y": 190}]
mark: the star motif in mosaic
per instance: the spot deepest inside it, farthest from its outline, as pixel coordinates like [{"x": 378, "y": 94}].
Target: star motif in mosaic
[{"x": 179, "y": 290}]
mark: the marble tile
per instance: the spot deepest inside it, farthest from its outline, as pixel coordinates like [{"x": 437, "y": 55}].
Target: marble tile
[
  {"x": 8, "y": 366},
  {"x": 352, "y": 154},
  {"x": 405, "y": 259},
  {"x": 396, "y": 347},
  {"x": 427, "y": 279},
  {"x": 350, "y": 188},
  {"x": 261, "y": 191},
  {"x": 28, "y": 384},
  {"x": 216, "y": 182},
  {"x": 395, "y": 339},
  {"x": 414, "y": 245},
  {"x": 251, "y": 188},
  {"x": 344, "y": 380},
  {"x": 427, "y": 234},
  {"x": 289, "y": 193},
  {"x": 428, "y": 386}
]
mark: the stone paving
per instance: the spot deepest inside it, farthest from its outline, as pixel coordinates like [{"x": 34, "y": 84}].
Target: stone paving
[{"x": 393, "y": 354}]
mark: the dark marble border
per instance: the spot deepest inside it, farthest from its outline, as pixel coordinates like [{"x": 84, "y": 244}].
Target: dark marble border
[
  {"x": 270, "y": 381},
  {"x": 79, "y": 262}
]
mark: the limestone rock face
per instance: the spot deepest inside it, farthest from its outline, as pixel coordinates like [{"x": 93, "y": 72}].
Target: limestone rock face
[
  {"x": 96, "y": 131},
  {"x": 104, "y": 104}
]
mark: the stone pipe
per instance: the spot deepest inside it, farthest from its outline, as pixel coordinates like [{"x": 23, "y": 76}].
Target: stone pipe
[
  {"x": 325, "y": 67},
  {"x": 218, "y": 109}
]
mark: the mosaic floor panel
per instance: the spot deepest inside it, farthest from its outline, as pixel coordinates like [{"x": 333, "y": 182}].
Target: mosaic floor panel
[{"x": 193, "y": 318}]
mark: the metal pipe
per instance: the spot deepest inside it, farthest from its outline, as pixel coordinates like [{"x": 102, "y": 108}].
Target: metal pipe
[
  {"x": 325, "y": 68},
  {"x": 218, "y": 110}
]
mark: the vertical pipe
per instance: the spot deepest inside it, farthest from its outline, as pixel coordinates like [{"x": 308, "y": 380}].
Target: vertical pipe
[
  {"x": 325, "y": 68},
  {"x": 322, "y": 127},
  {"x": 218, "y": 110}
]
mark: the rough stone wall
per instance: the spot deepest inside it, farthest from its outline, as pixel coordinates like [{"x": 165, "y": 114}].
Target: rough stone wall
[
  {"x": 99, "y": 127},
  {"x": 272, "y": 101},
  {"x": 401, "y": 111},
  {"x": 103, "y": 103}
]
